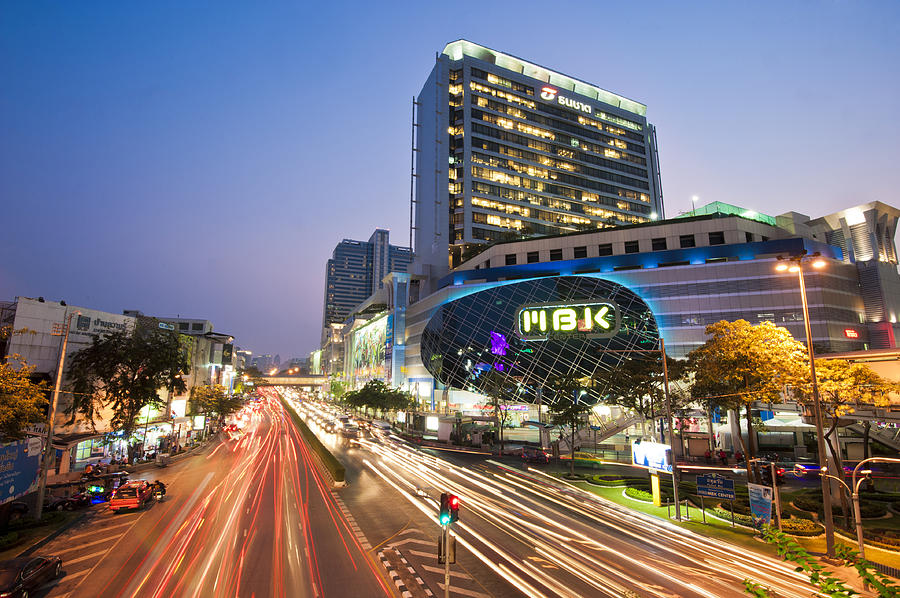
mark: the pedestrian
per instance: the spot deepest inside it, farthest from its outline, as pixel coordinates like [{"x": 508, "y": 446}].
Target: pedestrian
[
  {"x": 723, "y": 457},
  {"x": 708, "y": 456},
  {"x": 738, "y": 456}
]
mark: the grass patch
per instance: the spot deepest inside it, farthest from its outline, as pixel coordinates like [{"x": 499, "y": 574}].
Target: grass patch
[{"x": 25, "y": 531}]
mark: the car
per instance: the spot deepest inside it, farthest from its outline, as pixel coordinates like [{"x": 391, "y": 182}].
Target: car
[
  {"x": 131, "y": 495},
  {"x": 21, "y": 576},
  {"x": 349, "y": 431},
  {"x": 532, "y": 454}
]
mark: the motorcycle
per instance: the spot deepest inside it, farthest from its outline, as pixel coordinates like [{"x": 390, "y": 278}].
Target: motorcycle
[{"x": 159, "y": 491}]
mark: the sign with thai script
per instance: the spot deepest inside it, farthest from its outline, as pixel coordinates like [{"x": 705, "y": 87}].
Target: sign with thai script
[
  {"x": 715, "y": 486},
  {"x": 560, "y": 320},
  {"x": 551, "y": 93}
]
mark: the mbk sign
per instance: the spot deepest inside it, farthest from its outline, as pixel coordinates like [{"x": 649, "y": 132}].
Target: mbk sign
[{"x": 551, "y": 93}]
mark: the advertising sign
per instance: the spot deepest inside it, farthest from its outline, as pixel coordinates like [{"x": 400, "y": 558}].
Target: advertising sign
[
  {"x": 715, "y": 486},
  {"x": 652, "y": 455},
  {"x": 562, "y": 320},
  {"x": 760, "y": 503},
  {"x": 18, "y": 468}
]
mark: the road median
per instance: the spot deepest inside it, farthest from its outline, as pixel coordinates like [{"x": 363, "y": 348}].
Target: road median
[{"x": 332, "y": 466}]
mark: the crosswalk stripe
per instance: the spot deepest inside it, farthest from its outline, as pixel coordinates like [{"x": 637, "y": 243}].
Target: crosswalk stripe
[{"x": 98, "y": 530}]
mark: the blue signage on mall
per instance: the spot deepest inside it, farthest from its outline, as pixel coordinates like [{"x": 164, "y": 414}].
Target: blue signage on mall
[
  {"x": 715, "y": 486},
  {"x": 19, "y": 463}
]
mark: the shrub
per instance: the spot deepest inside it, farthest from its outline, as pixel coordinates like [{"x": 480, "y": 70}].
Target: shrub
[
  {"x": 867, "y": 510},
  {"x": 891, "y": 537},
  {"x": 807, "y": 504},
  {"x": 800, "y": 527},
  {"x": 738, "y": 518},
  {"x": 8, "y": 539},
  {"x": 741, "y": 506},
  {"x": 609, "y": 481},
  {"x": 638, "y": 494}
]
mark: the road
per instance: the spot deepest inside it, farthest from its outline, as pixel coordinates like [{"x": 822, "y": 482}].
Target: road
[
  {"x": 535, "y": 535},
  {"x": 250, "y": 517}
]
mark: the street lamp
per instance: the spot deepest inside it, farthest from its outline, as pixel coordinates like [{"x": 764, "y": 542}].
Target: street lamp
[
  {"x": 795, "y": 264},
  {"x": 694, "y": 200},
  {"x": 865, "y": 472}
]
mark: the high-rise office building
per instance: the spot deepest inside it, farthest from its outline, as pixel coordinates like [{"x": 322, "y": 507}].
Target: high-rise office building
[
  {"x": 507, "y": 148},
  {"x": 356, "y": 271}
]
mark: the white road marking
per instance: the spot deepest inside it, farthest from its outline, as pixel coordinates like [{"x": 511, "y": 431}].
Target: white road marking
[
  {"x": 441, "y": 571},
  {"x": 454, "y": 590},
  {"x": 85, "y": 557}
]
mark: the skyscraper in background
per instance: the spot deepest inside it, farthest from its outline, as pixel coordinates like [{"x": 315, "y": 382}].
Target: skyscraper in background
[
  {"x": 356, "y": 270},
  {"x": 505, "y": 148}
]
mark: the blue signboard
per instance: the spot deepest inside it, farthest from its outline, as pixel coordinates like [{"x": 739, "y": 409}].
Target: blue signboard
[
  {"x": 760, "y": 503},
  {"x": 18, "y": 468},
  {"x": 715, "y": 486},
  {"x": 652, "y": 455}
]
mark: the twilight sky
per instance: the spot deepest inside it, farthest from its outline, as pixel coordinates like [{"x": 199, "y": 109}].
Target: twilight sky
[{"x": 203, "y": 158}]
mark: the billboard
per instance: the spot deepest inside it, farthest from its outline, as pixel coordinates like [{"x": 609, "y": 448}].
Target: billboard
[
  {"x": 367, "y": 353},
  {"x": 19, "y": 465},
  {"x": 760, "y": 503},
  {"x": 652, "y": 455}
]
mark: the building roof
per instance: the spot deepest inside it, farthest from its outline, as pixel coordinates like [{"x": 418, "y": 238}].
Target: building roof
[{"x": 461, "y": 47}]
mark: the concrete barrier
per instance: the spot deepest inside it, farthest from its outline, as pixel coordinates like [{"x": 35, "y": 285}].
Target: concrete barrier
[{"x": 334, "y": 467}]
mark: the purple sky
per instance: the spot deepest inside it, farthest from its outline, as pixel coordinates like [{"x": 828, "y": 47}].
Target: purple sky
[{"x": 203, "y": 159}]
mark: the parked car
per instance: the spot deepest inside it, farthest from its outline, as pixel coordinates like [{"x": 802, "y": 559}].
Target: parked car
[
  {"x": 132, "y": 495},
  {"x": 20, "y": 576},
  {"x": 532, "y": 454}
]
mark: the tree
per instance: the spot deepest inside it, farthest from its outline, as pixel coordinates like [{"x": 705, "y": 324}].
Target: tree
[
  {"x": 212, "y": 399},
  {"x": 843, "y": 387},
  {"x": 247, "y": 379},
  {"x": 741, "y": 363},
  {"x": 638, "y": 384},
  {"x": 337, "y": 388},
  {"x": 22, "y": 402},
  {"x": 568, "y": 407},
  {"x": 376, "y": 395},
  {"x": 500, "y": 391},
  {"x": 124, "y": 371}
]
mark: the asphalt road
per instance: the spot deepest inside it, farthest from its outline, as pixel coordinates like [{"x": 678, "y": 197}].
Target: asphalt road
[
  {"x": 524, "y": 533},
  {"x": 251, "y": 517}
]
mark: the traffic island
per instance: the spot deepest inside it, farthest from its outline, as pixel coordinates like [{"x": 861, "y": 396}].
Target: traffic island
[{"x": 330, "y": 463}]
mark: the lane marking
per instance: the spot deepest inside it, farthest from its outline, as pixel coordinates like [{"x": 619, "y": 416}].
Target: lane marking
[
  {"x": 465, "y": 592},
  {"x": 85, "y": 557},
  {"x": 94, "y": 533},
  {"x": 441, "y": 571},
  {"x": 83, "y": 546}
]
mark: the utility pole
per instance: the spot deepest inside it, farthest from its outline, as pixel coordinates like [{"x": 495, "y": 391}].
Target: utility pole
[
  {"x": 662, "y": 351},
  {"x": 51, "y": 419}
]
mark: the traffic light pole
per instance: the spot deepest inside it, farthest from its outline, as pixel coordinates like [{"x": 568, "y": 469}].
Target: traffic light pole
[{"x": 446, "y": 560}]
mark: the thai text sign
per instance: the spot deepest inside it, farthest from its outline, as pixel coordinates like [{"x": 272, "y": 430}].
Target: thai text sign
[
  {"x": 715, "y": 486},
  {"x": 561, "y": 320}
]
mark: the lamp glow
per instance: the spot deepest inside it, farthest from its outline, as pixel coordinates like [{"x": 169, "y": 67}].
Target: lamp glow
[{"x": 781, "y": 267}]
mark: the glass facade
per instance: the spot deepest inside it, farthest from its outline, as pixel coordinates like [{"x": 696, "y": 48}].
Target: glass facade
[{"x": 470, "y": 336}]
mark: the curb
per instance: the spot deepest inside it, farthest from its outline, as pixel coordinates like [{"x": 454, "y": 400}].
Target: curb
[
  {"x": 412, "y": 572},
  {"x": 52, "y": 535},
  {"x": 395, "y": 577}
]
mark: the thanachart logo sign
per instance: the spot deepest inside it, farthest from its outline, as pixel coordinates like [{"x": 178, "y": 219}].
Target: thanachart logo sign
[
  {"x": 543, "y": 321},
  {"x": 551, "y": 93}
]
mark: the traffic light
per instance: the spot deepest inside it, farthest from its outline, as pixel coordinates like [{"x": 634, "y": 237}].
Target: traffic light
[
  {"x": 454, "y": 508},
  {"x": 449, "y": 508}
]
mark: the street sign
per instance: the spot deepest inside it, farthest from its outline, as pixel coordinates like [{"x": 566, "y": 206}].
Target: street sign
[
  {"x": 18, "y": 469},
  {"x": 715, "y": 486}
]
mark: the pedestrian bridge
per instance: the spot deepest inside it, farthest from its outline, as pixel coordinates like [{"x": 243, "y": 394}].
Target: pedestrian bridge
[{"x": 313, "y": 382}]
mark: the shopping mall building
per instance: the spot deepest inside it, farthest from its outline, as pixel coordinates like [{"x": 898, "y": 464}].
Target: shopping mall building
[{"x": 537, "y": 308}]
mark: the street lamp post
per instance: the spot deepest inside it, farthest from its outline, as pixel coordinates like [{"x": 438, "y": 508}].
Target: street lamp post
[
  {"x": 51, "y": 419},
  {"x": 797, "y": 266},
  {"x": 694, "y": 200},
  {"x": 856, "y": 483}
]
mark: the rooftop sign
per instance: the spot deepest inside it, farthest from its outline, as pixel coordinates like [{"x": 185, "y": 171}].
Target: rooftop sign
[{"x": 562, "y": 320}]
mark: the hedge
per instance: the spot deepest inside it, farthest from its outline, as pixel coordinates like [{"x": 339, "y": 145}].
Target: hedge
[
  {"x": 867, "y": 510},
  {"x": 330, "y": 461},
  {"x": 8, "y": 539},
  {"x": 800, "y": 527},
  {"x": 638, "y": 494},
  {"x": 738, "y": 518}
]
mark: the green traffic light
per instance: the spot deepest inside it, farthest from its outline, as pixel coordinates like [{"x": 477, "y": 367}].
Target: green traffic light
[{"x": 445, "y": 519}]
